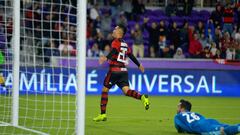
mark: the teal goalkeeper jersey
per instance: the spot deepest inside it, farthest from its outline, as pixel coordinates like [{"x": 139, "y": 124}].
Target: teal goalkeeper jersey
[{"x": 191, "y": 122}]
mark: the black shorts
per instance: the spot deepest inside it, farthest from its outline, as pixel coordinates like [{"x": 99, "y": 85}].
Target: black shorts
[{"x": 119, "y": 78}]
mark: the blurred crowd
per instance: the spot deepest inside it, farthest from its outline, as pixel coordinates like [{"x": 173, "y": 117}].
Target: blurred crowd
[
  {"x": 151, "y": 32},
  {"x": 215, "y": 36}
]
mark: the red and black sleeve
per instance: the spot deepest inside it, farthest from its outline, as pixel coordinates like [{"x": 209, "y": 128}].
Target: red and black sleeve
[
  {"x": 134, "y": 59},
  {"x": 113, "y": 51}
]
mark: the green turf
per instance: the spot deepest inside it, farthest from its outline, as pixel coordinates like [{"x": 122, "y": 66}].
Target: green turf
[{"x": 126, "y": 116}]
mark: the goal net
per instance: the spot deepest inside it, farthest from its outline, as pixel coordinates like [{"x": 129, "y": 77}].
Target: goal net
[{"x": 47, "y": 79}]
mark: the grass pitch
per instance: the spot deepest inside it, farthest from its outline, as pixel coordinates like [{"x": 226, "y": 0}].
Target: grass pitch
[{"x": 126, "y": 116}]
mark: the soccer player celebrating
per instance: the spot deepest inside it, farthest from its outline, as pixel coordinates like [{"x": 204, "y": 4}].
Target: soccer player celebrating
[
  {"x": 117, "y": 73},
  {"x": 194, "y": 123}
]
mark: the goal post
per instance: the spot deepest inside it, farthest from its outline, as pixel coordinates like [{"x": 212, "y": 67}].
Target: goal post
[
  {"x": 81, "y": 65},
  {"x": 45, "y": 68},
  {"x": 16, "y": 63}
]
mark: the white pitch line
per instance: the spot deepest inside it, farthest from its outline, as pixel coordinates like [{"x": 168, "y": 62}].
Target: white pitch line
[
  {"x": 31, "y": 130},
  {"x": 23, "y": 128},
  {"x": 4, "y": 124}
]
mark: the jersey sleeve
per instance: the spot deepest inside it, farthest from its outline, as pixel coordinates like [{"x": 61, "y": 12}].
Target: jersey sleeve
[
  {"x": 180, "y": 125},
  {"x": 113, "y": 51},
  {"x": 129, "y": 51},
  {"x": 115, "y": 44},
  {"x": 177, "y": 124},
  {"x": 132, "y": 57}
]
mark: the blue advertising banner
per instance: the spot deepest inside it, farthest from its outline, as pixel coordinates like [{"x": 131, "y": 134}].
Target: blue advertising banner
[{"x": 172, "y": 82}]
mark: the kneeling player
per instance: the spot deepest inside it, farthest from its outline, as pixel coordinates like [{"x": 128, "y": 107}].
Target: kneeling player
[
  {"x": 117, "y": 73},
  {"x": 194, "y": 123}
]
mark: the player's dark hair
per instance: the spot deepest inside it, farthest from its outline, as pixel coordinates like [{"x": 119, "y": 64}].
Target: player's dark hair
[
  {"x": 124, "y": 29},
  {"x": 186, "y": 104}
]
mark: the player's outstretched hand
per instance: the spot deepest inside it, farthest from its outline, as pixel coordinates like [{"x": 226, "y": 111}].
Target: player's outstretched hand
[
  {"x": 141, "y": 68},
  {"x": 102, "y": 59}
]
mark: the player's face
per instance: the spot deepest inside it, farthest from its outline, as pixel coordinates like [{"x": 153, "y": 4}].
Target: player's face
[
  {"x": 179, "y": 108},
  {"x": 116, "y": 32}
]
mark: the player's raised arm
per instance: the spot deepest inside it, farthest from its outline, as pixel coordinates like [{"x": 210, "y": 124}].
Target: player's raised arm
[{"x": 134, "y": 59}]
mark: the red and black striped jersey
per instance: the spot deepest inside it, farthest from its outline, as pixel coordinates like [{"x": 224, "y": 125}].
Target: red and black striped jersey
[
  {"x": 118, "y": 59},
  {"x": 118, "y": 56}
]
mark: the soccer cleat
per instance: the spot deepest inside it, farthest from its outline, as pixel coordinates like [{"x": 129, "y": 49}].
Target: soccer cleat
[
  {"x": 100, "y": 117},
  {"x": 145, "y": 101}
]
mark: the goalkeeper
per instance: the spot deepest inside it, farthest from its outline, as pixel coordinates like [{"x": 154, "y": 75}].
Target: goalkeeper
[
  {"x": 190, "y": 122},
  {"x": 118, "y": 72}
]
